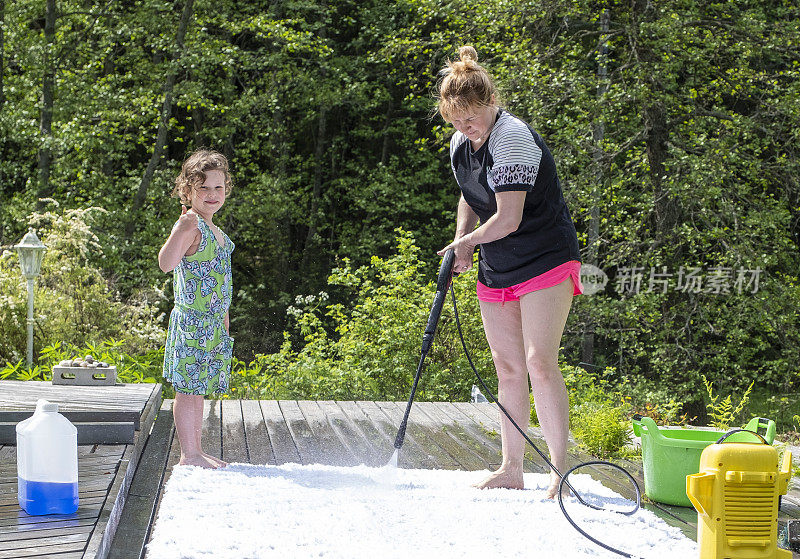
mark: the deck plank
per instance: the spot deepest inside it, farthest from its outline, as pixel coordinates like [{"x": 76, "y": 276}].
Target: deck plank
[
  {"x": 283, "y": 445},
  {"x": 37, "y": 551},
  {"x": 470, "y": 455},
  {"x": 22, "y": 521},
  {"x": 65, "y": 537},
  {"x": 422, "y": 434},
  {"x": 211, "y": 436},
  {"x": 173, "y": 458},
  {"x": 81, "y": 527},
  {"x": 380, "y": 444},
  {"x": 311, "y": 450},
  {"x": 474, "y": 434},
  {"x": 334, "y": 450},
  {"x": 259, "y": 446},
  {"x": 412, "y": 455},
  {"x": 23, "y": 395},
  {"x": 488, "y": 410},
  {"x": 108, "y": 520},
  {"x": 137, "y": 515},
  {"x": 104, "y": 471},
  {"x": 487, "y": 416},
  {"x": 438, "y": 429},
  {"x": 234, "y": 444},
  {"x": 360, "y": 451},
  {"x": 301, "y": 433}
]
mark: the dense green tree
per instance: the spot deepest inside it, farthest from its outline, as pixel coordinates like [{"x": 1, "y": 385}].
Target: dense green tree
[{"x": 325, "y": 110}]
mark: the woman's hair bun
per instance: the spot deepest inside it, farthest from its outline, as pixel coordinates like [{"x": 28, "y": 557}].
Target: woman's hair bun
[
  {"x": 466, "y": 53},
  {"x": 465, "y": 85}
]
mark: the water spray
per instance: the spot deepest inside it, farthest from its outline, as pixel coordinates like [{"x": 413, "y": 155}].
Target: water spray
[{"x": 443, "y": 283}]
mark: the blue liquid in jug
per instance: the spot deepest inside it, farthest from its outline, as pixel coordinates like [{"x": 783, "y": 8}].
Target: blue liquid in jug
[{"x": 46, "y": 497}]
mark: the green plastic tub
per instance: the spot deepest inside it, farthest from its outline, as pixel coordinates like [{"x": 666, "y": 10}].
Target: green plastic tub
[{"x": 669, "y": 454}]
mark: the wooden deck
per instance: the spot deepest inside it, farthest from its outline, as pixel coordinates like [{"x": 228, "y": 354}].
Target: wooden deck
[
  {"x": 119, "y": 508},
  {"x": 104, "y": 470},
  {"x": 443, "y": 435}
]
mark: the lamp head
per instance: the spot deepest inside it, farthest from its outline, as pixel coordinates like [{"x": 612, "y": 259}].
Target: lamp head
[{"x": 30, "y": 250}]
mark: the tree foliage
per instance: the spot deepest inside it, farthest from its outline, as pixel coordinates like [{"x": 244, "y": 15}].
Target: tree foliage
[{"x": 324, "y": 109}]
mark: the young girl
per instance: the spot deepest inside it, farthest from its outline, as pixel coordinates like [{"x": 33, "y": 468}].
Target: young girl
[{"x": 198, "y": 352}]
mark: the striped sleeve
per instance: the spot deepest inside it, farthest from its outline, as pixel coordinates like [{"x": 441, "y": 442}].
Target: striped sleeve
[{"x": 515, "y": 155}]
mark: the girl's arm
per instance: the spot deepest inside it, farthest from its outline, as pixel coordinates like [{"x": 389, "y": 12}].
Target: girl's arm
[
  {"x": 504, "y": 222},
  {"x": 228, "y": 322},
  {"x": 183, "y": 234}
]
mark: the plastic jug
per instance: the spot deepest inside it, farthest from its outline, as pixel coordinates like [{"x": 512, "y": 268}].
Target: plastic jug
[{"x": 47, "y": 462}]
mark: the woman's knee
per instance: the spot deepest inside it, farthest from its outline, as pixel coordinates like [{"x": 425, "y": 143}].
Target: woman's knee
[
  {"x": 509, "y": 371},
  {"x": 542, "y": 368}
]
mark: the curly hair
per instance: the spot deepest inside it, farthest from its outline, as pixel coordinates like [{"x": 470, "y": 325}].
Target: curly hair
[{"x": 193, "y": 173}]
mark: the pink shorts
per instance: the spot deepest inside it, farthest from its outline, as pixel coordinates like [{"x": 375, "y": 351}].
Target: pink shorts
[{"x": 557, "y": 275}]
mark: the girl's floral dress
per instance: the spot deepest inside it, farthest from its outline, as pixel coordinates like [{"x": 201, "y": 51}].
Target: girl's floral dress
[{"x": 198, "y": 350}]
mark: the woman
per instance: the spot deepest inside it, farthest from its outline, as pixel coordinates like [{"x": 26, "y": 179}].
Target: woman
[{"x": 529, "y": 263}]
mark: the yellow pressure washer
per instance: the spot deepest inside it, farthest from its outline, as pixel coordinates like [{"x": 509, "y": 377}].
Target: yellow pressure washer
[{"x": 737, "y": 497}]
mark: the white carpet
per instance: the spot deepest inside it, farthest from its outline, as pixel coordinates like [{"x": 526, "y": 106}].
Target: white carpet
[{"x": 293, "y": 511}]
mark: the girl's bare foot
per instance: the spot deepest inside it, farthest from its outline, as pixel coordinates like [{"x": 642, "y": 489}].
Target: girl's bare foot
[
  {"x": 198, "y": 460},
  {"x": 504, "y": 478},
  {"x": 218, "y": 461},
  {"x": 552, "y": 489}
]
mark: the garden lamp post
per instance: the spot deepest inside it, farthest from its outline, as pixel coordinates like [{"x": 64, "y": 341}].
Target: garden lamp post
[{"x": 30, "y": 250}]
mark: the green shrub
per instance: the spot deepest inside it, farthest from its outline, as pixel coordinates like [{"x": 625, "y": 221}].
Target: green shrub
[
  {"x": 582, "y": 386},
  {"x": 370, "y": 349},
  {"x": 598, "y": 413},
  {"x": 721, "y": 410},
  {"x": 131, "y": 368},
  {"x": 257, "y": 379},
  {"x": 75, "y": 304},
  {"x": 669, "y": 414},
  {"x": 601, "y": 427}
]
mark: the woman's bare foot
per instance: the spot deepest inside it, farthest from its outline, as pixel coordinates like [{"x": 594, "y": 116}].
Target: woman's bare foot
[
  {"x": 504, "y": 478},
  {"x": 218, "y": 461},
  {"x": 552, "y": 489},
  {"x": 198, "y": 460}
]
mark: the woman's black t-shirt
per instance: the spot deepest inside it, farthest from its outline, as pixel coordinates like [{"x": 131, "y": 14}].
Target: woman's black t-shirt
[{"x": 515, "y": 157}]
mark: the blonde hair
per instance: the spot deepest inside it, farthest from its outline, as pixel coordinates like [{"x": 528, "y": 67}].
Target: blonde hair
[
  {"x": 465, "y": 85},
  {"x": 193, "y": 173}
]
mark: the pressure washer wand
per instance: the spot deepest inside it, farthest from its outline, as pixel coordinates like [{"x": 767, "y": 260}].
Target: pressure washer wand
[{"x": 442, "y": 285}]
